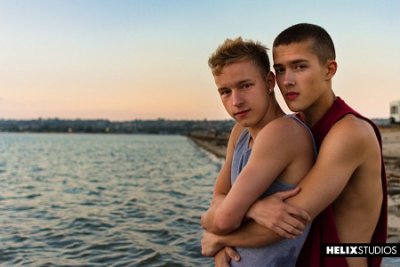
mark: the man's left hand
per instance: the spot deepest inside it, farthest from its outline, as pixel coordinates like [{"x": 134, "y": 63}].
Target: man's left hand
[{"x": 210, "y": 244}]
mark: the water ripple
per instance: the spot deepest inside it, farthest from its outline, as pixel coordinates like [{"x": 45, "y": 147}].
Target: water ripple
[{"x": 103, "y": 200}]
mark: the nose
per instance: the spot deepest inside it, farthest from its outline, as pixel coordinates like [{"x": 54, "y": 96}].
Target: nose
[
  {"x": 237, "y": 98},
  {"x": 288, "y": 79}
]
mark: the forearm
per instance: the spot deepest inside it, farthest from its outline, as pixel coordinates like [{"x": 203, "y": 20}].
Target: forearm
[{"x": 250, "y": 235}]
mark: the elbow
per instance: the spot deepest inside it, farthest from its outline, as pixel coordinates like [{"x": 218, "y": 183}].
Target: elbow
[{"x": 224, "y": 225}]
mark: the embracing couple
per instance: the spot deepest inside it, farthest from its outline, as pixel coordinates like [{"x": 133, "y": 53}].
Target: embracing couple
[{"x": 292, "y": 183}]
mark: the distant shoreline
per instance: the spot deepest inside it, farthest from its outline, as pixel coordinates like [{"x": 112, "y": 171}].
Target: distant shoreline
[
  {"x": 160, "y": 126},
  {"x": 217, "y": 150}
]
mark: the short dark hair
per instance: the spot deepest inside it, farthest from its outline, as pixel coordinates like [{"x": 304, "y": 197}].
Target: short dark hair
[
  {"x": 322, "y": 44},
  {"x": 235, "y": 50}
]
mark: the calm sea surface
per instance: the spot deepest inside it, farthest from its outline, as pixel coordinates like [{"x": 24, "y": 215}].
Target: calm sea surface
[{"x": 103, "y": 200}]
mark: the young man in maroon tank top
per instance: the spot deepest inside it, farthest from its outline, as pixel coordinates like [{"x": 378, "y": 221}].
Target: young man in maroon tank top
[{"x": 345, "y": 191}]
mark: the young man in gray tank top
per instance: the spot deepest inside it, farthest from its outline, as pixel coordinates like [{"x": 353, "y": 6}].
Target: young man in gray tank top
[{"x": 267, "y": 152}]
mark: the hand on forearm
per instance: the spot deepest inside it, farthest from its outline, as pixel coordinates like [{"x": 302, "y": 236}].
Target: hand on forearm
[{"x": 273, "y": 213}]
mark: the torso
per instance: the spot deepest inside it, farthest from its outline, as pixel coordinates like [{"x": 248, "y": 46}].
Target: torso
[{"x": 358, "y": 214}]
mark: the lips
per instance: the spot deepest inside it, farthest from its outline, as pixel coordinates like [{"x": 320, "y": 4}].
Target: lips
[
  {"x": 291, "y": 96},
  {"x": 241, "y": 113}
]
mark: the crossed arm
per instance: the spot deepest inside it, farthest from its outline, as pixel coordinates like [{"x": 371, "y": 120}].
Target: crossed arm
[{"x": 272, "y": 152}]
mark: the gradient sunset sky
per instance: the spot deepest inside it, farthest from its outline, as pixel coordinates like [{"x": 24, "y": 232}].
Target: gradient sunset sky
[{"x": 147, "y": 59}]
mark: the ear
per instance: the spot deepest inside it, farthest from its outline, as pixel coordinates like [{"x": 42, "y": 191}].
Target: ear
[
  {"x": 331, "y": 67},
  {"x": 270, "y": 79}
]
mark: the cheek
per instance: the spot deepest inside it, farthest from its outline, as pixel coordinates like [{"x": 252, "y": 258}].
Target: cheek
[
  {"x": 312, "y": 79},
  {"x": 313, "y": 86},
  {"x": 226, "y": 104},
  {"x": 279, "y": 81}
]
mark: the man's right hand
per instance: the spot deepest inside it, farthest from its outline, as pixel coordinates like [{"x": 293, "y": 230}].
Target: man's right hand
[
  {"x": 273, "y": 213},
  {"x": 224, "y": 257}
]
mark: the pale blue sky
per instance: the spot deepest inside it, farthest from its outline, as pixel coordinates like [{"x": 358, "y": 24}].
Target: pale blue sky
[{"x": 147, "y": 59}]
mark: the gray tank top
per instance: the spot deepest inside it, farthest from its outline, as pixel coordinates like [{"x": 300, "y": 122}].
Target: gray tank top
[{"x": 285, "y": 252}]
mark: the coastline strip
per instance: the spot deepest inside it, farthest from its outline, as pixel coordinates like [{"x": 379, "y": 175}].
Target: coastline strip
[{"x": 211, "y": 142}]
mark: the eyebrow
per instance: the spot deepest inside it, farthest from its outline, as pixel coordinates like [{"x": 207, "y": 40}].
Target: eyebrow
[
  {"x": 243, "y": 81},
  {"x": 238, "y": 83},
  {"x": 297, "y": 61},
  {"x": 220, "y": 89},
  {"x": 294, "y": 62}
]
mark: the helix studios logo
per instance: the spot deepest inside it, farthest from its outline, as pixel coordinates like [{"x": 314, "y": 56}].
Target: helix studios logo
[{"x": 361, "y": 250}]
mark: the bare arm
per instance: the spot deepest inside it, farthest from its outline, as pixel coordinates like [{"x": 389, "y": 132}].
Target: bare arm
[
  {"x": 223, "y": 182},
  {"x": 250, "y": 235},
  {"x": 273, "y": 151},
  {"x": 342, "y": 152}
]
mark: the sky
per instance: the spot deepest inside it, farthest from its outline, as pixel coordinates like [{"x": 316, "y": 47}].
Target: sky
[{"x": 147, "y": 59}]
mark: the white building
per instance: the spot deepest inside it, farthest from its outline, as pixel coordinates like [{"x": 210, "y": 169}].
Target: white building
[{"x": 395, "y": 111}]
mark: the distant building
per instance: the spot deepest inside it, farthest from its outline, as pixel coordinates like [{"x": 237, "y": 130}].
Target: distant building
[{"x": 395, "y": 111}]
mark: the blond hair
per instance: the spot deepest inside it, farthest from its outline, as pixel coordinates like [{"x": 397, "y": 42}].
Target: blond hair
[{"x": 235, "y": 50}]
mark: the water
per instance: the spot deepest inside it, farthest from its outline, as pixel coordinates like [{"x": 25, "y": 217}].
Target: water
[{"x": 102, "y": 200}]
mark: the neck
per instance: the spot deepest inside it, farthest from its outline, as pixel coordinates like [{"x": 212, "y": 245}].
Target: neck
[
  {"x": 318, "y": 109},
  {"x": 272, "y": 113}
]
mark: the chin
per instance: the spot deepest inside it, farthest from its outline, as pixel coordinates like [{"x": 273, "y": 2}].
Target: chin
[
  {"x": 249, "y": 123},
  {"x": 295, "y": 108},
  {"x": 244, "y": 123}
]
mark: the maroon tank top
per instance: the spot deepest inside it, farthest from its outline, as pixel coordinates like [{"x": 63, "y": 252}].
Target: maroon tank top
[{"x": 323, "y": 229}]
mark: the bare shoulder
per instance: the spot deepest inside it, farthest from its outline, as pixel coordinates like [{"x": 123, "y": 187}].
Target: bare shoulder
[
  {"x": 351, "y": 130},
  {"x": 284, "y": 127},
  {"x": 350, "y": 141},
  {"x": 351, "y": 121},
  {"x": 285, "y": 133}
]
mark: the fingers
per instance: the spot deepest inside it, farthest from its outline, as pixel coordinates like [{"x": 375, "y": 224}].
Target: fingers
[
  {"x": 289, "y": 231},
  {"x": 221, "y": 264},
  {"x": 282, "y": 232},
  {"x": 287, "y": 194},
  {"x": 293, "y": 225},
  {"x": 221, "y": 259},
  {"x": 232, "y": 254},
  {"x": 298, "y": 213},
  {"x": 291, "y": 209},
  {"x": 289, "y": 225}
]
